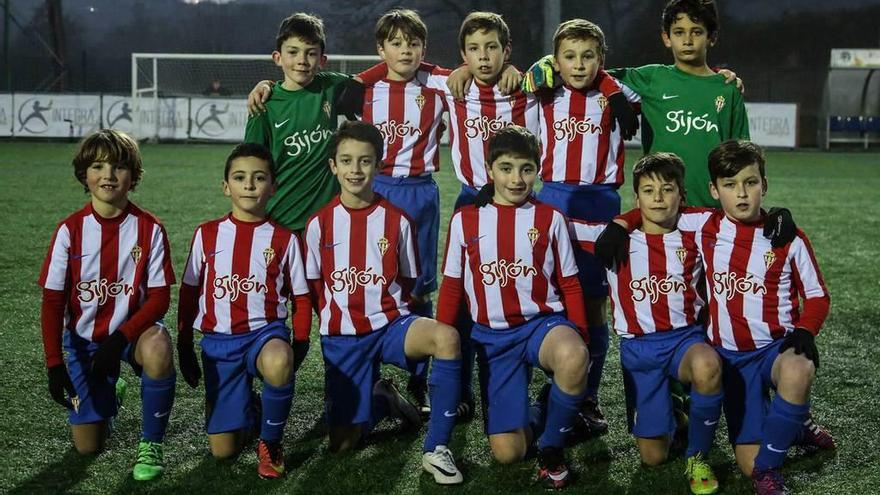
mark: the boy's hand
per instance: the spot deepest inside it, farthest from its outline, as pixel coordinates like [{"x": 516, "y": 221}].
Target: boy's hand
[
  {"x": 105, "y": 362},
  {"x": 259, "y": 96},
  {"x": 730, "y": 76},
  {"x": 459, "y": 82},
  {"x": 779, "y": 227},
  {"x": 59, "y": 384},
  {"x": 612, "y": 245},
  {"x": 189, "y": 364},
  {"x": 510, "y": 79},
  {"x": 485, "y": 195},
  {"x": 803, "y": 342},
  {"x": 541, "y": 75},
  {"x": 300, "y": 350},
  {"x": 623, "y": 114}
]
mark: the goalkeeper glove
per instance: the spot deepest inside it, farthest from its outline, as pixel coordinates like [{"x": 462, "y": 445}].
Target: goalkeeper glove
[
  {"x": 803, "y": 342},
  {"x": 779, "y": 227},
  {"x": 540, "y": 75},
  {"x": 300, "y": 349},
  {"x": 105, "y": 362},
  {"x": 612, "y": 245},
  {"x": 623, "y": 114},
  {"x": 485, "y": 195},
  {"x": 59, "y": 384},
  {"x": 189, "y": 364}
]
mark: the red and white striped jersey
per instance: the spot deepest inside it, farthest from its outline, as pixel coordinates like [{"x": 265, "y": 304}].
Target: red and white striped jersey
[
  {"x": 246, "y": 272},
  {"x": 579, "y": 147},
  {"x": 408, "y": 115},
  {"x": 105, "y": 266},
  {"x": 754, "y": 289},
  {"x": 473, "y": 121},
  {"x": 656, "y": 289},
  {"x": 366, "y": 263},
  {"x": 510, "y": 259}
]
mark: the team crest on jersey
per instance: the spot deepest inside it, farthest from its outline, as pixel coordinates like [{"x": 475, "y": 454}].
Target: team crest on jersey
[
  {"x": 512, "y": 101},
  {"x": 681, "y": 253},
  {"x": 268, "y": 255},
  {"x": 603, "y": 102},
  {"x": 420, "y": 101},
  {"x": 136, "y": 254},
  {"x": 326, "y": 108},
  {"x": 533, "y": 235},
  {"x": 769, "y": 259},
  {"x": 383, "y": 245},
  {"x": 719, "y": 104}
]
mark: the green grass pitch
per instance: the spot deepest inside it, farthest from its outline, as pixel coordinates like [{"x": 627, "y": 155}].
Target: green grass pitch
[{"x": 833, "y": 196}]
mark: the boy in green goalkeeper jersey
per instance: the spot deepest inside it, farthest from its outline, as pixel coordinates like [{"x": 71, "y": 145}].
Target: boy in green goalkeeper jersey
[{"x": 299, "y": 120}]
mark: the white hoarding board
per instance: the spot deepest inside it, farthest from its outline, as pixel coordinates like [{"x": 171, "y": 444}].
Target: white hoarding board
[
  {"x": 56, "y": 115},
  {"x": 217, "y": 119},
  {"x": 773, "y": 124},
  {"x": 171, "y": 121},
  {"x": 6, "y": 114},
  {"x": 855, "y": 58}
]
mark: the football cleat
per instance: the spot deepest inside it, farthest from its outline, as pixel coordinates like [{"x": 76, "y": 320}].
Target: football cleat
[
  {"x": 441, "y": 464},
  {"x": 768, "y": 482},
  {"x": 398, "y": 406},
  {"x": 121, "y": 390},
  {"x": 813, "y": 435},
  {"x": 700, "y": 477},
  {"x": 553, "y": 469},
  {"x": 589, "y": 423},
  {"x": 465, "y": 411},
  {"x": 148, "y": 465},
  {"x": 418, "y": 390},
  {"x": 270, "y": 457}
]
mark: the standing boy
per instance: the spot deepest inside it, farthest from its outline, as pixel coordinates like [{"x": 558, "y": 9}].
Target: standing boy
[{"x": 106, "y": 286}]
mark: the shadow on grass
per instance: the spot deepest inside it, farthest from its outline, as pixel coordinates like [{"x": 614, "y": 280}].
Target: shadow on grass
[{"x": 58, "y": 477}]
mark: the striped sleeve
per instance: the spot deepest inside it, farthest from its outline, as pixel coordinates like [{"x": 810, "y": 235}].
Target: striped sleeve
[
  {"x": 585, "y": 233},
  {"x": 295, "y": 267},
  {"x": 192, "y": 272},
  {"x": 810, "y": 285},
  {"x": 453, "y": 260},
  {"x": 54, "y": 272},
  {"x": 408, "y": 259},
  {"x": 313, "y": 253},
  {"x": 566, "y": 264},
  {"x": 161, "y": 274}
]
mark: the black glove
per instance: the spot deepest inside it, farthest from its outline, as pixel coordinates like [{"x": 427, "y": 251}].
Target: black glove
[
  {"x": 612, "y": 245},
  {"x": 59, "y": 383},
  {"x": 105, "y": 362},
  {"x": 623, "y": 114},
  {"x": 803, "y": 342},
  {"x": 189, "y": 364},
  {"x": 300, "y": 349},
  {"x": 779, "y": 227},
  {"x": 485, "y": 195}
]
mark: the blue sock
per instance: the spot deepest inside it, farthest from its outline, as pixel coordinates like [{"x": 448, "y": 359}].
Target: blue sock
[
  {"x": 561, "y": 411},
  {"x": 276, "y": 408},
  {"x": 782, "y": 424},
  {"x": 704, "y": 414},
  {"x": 445, "y": 390},
  {"x": 598, "y": 349},
  {"x": 157, "y": 397}
]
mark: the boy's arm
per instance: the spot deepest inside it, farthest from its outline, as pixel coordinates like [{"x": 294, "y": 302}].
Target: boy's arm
[
  {"x": 188, "y": 310},
  {"x": 739, "y": 125},
  {"x": 585, "y": 234},
  {"x": 811, "y": 287},
  {"x": 295, "y": 281},
  {"x": 451, "y": 297},
  {"x": 350, "y": 101},
  {"x": 566, "y": 276},
  {"x": 258, "y": 130},
  {"x": 257, "y": 98},
  {"x": 407, "y": 258}
]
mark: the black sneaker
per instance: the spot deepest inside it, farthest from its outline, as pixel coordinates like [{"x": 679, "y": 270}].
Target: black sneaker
[
  {"x": 399, "y": 406},
  {"x": 592, "y": 418},
  {"x": 465, "y": 411},
  {"x": 553, "y": 472},
  {"x": 418, "y": 391}
]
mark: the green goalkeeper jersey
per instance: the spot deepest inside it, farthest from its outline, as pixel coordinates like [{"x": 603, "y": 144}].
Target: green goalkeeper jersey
[
  {"x": 689, "y": 116},
  {"x": 296, "y": 127}
]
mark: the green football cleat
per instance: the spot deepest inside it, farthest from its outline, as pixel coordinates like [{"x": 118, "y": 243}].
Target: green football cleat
[
  {"x": 700, "y": 477},
  {"x": 149, "y": 461},
  {"x": 121, "y": 389}
]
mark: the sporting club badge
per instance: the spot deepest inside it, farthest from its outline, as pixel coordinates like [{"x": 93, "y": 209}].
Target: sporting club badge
[
  {"x": 681, "y": 253},
  {"x": 719, "y": 104},
  {"x": 136, "y": 254},
  {"x": 420, "y": 101},
  {"x": 533, "y": 235},
  {"x": 603, "y": 102},
  {"x": 268, "y": 255},
  {"x": 769, "y": 259},
  {"x": 326, "y": 108},
  {"x": 383, "y": 245}
]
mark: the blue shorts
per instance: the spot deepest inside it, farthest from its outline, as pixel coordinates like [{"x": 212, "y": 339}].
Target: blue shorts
[
  {"x": 351, "y": 368},
  {"x": 648, "y": 362},
  {"x": 229, "y": 363},
  {"x": 97, "y": 398},
  {"x": 506, "y": 359},
  {"x": 591, "y": 203},
  {"x": 419, "y": 197},
  {"x": 746, "y": 376},
  {"x": 466, "y": 197}
]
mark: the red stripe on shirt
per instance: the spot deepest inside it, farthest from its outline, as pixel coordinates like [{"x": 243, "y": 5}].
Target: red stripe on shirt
[
  {"x": 577, "y": 106},
  {"x": 657, "y": 267},
  {"x": 770, "y": 304},
  {"x": 604, "y": 144},
  {"x": 540, "y": 284},
  {"x": 459, "y": 127},
  {"x": 709, "y": 238},
  {"x": 506, "y": 238},
  {"x": 690, "y": 262},
  {"x": 358, "y": 258},
  {"x": 739, "y": 265},
  {"x": 417, "y": 160},
  {"x": 241, "y": 261},
  {"x": 109, "y": 271},
  {"x": 209, "y": 247},
  {"x": 280, "y": 244},
  {"x": 470, "y": 226}
]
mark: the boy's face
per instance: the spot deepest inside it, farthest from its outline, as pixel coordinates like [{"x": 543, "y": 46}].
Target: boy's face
[
  {"x": 514, "y": 177},
  {"x": 484, "y": 55},
  {"x": 249, "y": 185},
  {"x": 688, "y": 41},
  {"x": 741, "y": 195},
  {"x": 300, "y": 60},
  {"x": 108, "y": 183},
  {"x": 354, "y": 166},
  {"x": 402, "y": 54},
  {"x": 578, "y": 61},
  {"x": 658, "y": 199}
]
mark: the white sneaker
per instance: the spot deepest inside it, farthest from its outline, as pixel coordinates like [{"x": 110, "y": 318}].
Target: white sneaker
[
  {"x": 441, "y": 464},
  {"x": 400, "y": 408}
]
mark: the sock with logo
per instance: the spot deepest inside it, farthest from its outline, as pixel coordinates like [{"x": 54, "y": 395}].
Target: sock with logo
[
  {"x": 276, "y": 408},
  {"x": 444, "y": 385},
  {"x": 561, "y": 411},
  {"x": 704, "y": 414},
  {"x": 781, "y": 426},
  {"x": 598, "y": 349},
  {"x": 157, "y": 397}
]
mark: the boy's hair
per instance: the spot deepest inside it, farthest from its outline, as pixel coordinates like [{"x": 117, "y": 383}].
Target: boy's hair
[
  {"x": 404, "y": 21},
  {"x": 667, "y": 166},
  {"x": 359, "y": 131},
  {"x": 301, "y": 25},
  {"x": 255, "y": 150},
  {"x": 579, "y": 29},
  {"x": 514, "y": 140},
  {"x": 730, "y": 157},
  {"x": 112, "y": 146},
  {"x": 700, "y": 11},
  {"x": 484, "y": 21}
]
